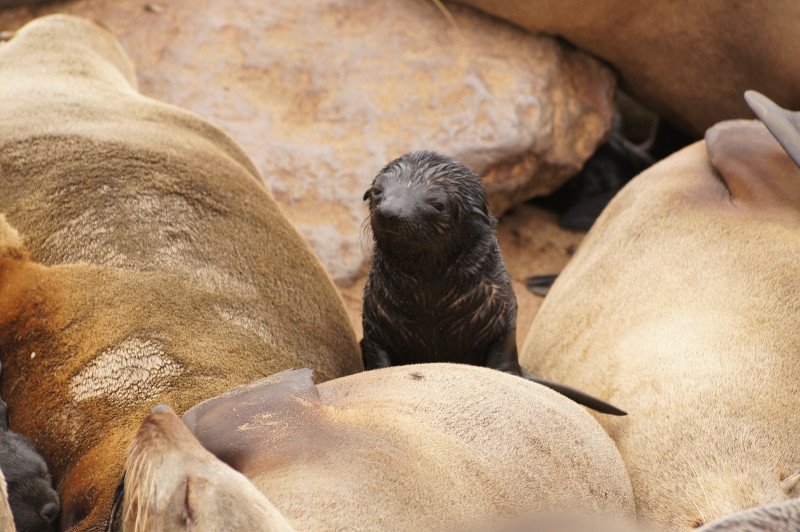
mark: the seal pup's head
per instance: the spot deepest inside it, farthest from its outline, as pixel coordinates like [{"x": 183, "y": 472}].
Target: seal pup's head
[
  {"x": 173, "y": 484},
  {"x": 33, "y": 501},
  {"x": 427, "y": 202}
]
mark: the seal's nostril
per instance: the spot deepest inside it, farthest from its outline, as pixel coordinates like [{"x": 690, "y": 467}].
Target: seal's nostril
[{"x": 49, "y": 512}]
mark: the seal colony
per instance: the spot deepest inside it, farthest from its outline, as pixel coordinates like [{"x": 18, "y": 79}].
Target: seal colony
[
  {"x": 701, "y": 327},
  {"x": 155, "y": 265},
  {"x": 424, "y": 447},
  {"x": 438, "y": 290}
]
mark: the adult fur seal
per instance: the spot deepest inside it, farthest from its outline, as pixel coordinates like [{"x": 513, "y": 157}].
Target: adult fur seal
[
  {"x": 156, "y": 267},
  {"x": 30, "y": 494},
  {"x": 699, "y": 333},
  {"x": 438, "y": 290},
  {"x": 425, "y": 447}
]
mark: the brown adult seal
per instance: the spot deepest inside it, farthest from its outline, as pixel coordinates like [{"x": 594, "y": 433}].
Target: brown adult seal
[
  {"x": 156, "y": 267},
  {"x": 438, "y": 290}
]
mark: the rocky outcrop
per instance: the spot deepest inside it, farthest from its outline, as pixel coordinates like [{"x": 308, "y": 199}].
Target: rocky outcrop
[{"x": 321, "y": 94}]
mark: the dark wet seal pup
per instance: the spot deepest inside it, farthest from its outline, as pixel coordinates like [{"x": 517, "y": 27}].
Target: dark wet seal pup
[
  {"x": 34, "y": 503},
  {"x": 438, "y": 290}
]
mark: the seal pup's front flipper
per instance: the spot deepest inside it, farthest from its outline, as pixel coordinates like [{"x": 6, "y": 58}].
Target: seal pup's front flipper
[
  {"x": 782, "y": 123},
  {"x": 278, "y": 413}
]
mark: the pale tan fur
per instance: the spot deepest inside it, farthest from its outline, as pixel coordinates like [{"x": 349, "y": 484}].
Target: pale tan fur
[
  {"x": 682, "y": 306},
  {"x": 6, "y": 519},
  {"x": 422, "y": 447},
  {"x": 162, "y": 270},
  {"x": 689, "y": 60},
  {"x": 173, "y": 484}
]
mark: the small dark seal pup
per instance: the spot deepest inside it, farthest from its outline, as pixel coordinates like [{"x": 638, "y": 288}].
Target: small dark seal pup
[
  {"x": 32, "y": 499},
  {"x": 438, "y": 290}
]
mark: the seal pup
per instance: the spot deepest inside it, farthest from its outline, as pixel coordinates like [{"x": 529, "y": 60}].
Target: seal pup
[
  {"x": 438, "y": 290},
  {"x": 424, "y": 447},
  {"x": 30, "y": 494},
  {"x": 155, "y": 268},
  {"x": 704, "y": 318}
]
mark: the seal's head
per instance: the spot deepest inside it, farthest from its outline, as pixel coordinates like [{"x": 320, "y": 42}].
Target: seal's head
[
  {"x": 424, "y": 201},
  {"x": 173, "y": 484},
  {"x": 31, "y": 496}
]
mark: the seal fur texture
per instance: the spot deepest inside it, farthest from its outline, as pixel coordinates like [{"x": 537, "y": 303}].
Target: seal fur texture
[
  {"x": 161, "y": 269},
  {"x": 424, "y": 447},
  {"x": 698, "y": 334},
  {"x": 777, "y": 517},
  {"x": 438, "y": 290}
]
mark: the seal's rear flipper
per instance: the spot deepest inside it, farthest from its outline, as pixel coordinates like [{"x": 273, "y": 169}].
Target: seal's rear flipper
[
  {"x": 782, "y": 123},
  {"x": 576, "y": 395}
]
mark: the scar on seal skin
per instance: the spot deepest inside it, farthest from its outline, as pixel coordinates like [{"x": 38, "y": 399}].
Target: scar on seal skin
[
  {"x": 33, "y": 501},
  {"x": 438, "y": 290}
]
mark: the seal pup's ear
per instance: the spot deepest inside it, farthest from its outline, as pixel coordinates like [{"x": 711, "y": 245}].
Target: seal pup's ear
[{"x": 782, "y": 123}]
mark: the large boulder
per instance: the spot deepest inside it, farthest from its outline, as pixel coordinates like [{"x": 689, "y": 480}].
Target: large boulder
[{"x": 322, "y": 93}]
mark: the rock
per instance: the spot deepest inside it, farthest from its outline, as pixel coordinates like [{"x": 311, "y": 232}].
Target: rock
[{"x": 321, "y": 94}]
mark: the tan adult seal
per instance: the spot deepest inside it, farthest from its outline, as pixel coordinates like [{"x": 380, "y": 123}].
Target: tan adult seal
[
  {"x": 683, "y": 303},
  {"x": 688, "y": 60},
  {"x": 164, "y": 271},
  {"x": 428, "y": 447}
]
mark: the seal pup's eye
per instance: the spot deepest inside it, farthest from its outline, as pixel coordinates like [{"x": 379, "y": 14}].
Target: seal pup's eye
[{"x": 438, "y": 206}]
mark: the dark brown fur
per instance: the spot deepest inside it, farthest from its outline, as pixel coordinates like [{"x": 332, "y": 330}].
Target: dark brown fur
[{"x": 438, "y": 290}]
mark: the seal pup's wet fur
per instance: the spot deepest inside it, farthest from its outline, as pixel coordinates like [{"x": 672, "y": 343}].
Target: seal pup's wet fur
[{"x": 438, "y": 290}]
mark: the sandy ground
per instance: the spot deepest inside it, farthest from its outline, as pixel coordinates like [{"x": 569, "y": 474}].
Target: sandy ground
[{"x": 532, "y": 244}]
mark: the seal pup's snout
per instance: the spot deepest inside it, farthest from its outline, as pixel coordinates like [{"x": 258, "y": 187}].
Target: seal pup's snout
[
  {"x": 394, "y": 204},
  {"x": 49, "y": 511}
]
